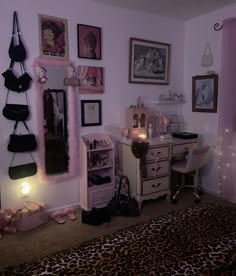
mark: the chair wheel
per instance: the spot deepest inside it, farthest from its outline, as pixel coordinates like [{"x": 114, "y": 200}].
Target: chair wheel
[
  {"x": 197, "y": 200},
  {"x": 174, "y": 201}
]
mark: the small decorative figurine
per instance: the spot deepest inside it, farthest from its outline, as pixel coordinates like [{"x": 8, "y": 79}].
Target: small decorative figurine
[
  {"x": 41, "y": 73},
  {"x": 150, "y": 131}
]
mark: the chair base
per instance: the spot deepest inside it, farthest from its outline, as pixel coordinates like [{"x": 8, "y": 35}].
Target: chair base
[{"x": 196, "y": 194}]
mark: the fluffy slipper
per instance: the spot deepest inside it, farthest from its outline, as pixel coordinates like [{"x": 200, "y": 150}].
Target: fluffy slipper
[
  {"x": 70, "y": 214},
  {"x": 57, "y": 216}
]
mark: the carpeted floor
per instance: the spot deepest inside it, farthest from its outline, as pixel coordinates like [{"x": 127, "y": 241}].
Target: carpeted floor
[{"x": 27, "y": 246}]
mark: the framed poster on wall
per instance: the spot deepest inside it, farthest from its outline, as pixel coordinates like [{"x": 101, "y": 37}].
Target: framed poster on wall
[
  {"x": 149, "y": 62},
  {"x": 205, "y": 93},
  {"x": 91, "y": 113},
  {"x": 53, "y": 37}
]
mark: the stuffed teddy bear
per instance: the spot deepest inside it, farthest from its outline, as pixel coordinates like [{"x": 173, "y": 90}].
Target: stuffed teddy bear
[{"x": 6, "y": 218}]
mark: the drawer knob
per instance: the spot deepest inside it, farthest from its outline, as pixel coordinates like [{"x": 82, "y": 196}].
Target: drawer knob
[
  {"x": 158, "y": 168},
  {"x": 157, "y": 185}
]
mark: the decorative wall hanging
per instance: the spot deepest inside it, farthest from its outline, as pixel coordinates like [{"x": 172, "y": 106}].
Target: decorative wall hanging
[
  {"x": 18, "y": 112},
  {"x": 53, "y": 37},
  {"x": 89, "y": 42},
  {"x": 91, "y": 79},
  {"x": 205, "y": 93},
  {"x": 207, "y": 58},
  {"x": 91, "y": 113},
  {"x": 71, "y": 78},
  {"x": 149, "y": 62}
]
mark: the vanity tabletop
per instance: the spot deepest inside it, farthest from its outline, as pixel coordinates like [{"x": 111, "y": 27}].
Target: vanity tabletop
[{"x": 156, "y": 141}]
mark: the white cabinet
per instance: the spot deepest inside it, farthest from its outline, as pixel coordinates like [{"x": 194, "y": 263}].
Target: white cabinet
[
  {"x": 96, "y": 170},
  {"x": 156, "y": 181}
]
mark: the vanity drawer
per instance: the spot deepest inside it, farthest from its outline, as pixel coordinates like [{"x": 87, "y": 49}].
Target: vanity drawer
[
  {"x": 182, "y": 148},
  {"x": 154, "y": 153},
  {"x": 155, "y": 185},
  {"x": 157, "y": 168},
  {"x": 98, "y": 197}
]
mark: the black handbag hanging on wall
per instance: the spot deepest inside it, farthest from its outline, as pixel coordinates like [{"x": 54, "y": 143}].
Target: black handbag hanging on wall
[
  {"x": 16, "y": 112},
  {"x": 21, "y": 171},
  {"x": 17, "y": 52},
  {"x": 22, "y": 142}
]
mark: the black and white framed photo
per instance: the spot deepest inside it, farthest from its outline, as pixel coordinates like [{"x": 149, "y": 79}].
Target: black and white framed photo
[
  {"x": 149, "y": 62},
  {"x": 205, "y": 93},
  {"x": 91, "y": 113}
]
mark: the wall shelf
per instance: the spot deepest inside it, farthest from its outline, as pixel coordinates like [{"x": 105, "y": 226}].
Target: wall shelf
[{"x": 169, "y": 102}]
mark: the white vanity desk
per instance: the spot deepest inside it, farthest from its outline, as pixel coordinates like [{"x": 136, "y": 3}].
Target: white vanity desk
[{"x": 158, "y": 166}]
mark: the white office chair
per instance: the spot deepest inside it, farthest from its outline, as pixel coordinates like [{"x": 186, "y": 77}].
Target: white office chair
[{"x": 197, "y": 158}]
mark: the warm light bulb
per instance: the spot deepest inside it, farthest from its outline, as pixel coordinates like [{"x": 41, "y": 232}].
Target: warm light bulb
[
  {"x": 142, "y": 136},
  {"x": 25, "y": 189}
]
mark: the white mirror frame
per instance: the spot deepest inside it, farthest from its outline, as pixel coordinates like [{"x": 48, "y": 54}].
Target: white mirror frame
[{"x": 71, "y": 126}]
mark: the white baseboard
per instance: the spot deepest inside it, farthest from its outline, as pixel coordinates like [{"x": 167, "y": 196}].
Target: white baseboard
[
  {"x": 217, "y": 194},
  {"x": 62, "y": 208}
]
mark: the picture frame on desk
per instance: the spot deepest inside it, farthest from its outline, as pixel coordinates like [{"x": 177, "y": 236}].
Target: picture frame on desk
[
  {"x": 205, "y": 93},
  {"x": 149, "y": 61}
]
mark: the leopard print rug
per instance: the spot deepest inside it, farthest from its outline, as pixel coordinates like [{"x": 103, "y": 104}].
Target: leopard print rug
[{"x": 200, "y": 240}]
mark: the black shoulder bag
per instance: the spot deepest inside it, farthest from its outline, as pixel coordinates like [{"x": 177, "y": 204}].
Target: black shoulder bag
[
  {"x": 123, "y": 204},
  {"x": 21, "y": 171},
  {"x": 16, "y": 112},
  {"x": 22, "y": 142},
  {"x": 16, "y": 51}
]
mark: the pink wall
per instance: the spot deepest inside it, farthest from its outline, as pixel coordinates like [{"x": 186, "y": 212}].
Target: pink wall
[
  {"x": 198, "y": 32},
  {"x": 117, "y": 26}
]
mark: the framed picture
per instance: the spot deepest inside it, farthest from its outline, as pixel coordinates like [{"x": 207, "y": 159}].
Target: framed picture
[
  {"x": 205, "y": 93},
  {"x": 89, "y": 42},
  {"x": 91, "y": 79},
  {"x": 91, "y": 112},
  {"x": 149, "y": 62},
  {"x": 53, "y": 37}
]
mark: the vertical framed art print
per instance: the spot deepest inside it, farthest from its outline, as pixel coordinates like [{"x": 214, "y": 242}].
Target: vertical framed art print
[
  {"x": 89, "y": 42},
  {"x": 205, "y": 93},
  {"x": 91, "y": 113},
  {"x": 53, "y": 37}
]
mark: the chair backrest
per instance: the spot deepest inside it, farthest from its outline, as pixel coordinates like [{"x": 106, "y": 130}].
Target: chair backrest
[{"x": 197, "y": 158}]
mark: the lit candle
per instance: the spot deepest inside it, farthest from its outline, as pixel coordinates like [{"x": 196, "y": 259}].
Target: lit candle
[{"x": 142, "y": 136}]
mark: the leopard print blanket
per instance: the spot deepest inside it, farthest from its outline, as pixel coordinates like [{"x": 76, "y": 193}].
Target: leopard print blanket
[{"x": 200, "y": 240}]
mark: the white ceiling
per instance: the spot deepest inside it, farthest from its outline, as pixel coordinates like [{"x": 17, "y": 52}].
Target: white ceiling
[{"x": 179, "y": 9}]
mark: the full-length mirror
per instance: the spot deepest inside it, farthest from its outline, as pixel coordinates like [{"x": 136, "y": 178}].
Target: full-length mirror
[{"x": 56, "y": 120}]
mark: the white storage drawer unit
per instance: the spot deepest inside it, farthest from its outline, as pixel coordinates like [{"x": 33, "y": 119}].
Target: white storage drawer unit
[
  {"x": 155, "y": 185},
  {"x": 157, "y": 153},
  {"x": 182, "y": 148},
  {"x": 155, "y": 169},
  {"x": 156, "y": 182}
]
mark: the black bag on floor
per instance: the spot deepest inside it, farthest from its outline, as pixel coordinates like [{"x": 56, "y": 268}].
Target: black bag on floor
[
  {"x": 22, "y": 142},
  {"x": 96, "y": 216},
  {"x": 123, "y": 204}
]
